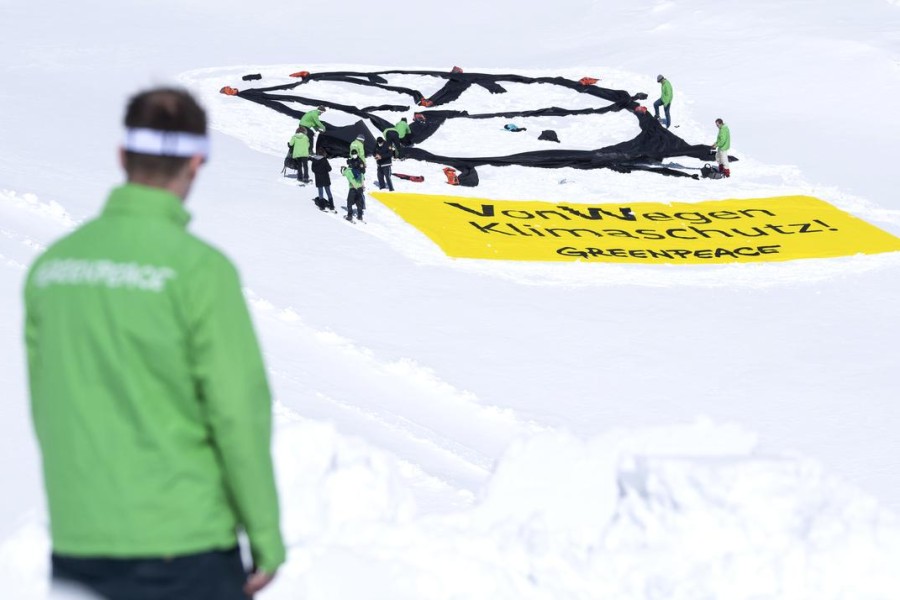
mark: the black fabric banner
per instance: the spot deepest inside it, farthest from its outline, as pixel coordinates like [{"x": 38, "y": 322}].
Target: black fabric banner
[{"x": 643, "y": 153}]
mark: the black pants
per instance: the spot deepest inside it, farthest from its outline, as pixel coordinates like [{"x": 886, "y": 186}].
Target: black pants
[
  {"x": 666, "y": 107},
  {"x": 393, "y": 139},
  {"x": 355, "y": 198},
  {"x": 214, "y": 575},
  {"x": 302, "y": 169},
  {"x": 384, "y": 175}
]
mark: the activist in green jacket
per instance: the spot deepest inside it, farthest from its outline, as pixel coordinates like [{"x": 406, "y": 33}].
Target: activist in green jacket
[
  {"x": 355, "y": 197},
  {"x": 355, "y": 181},
  {"x": 723, "y": 139},
  {"x": 402, "y": 129},
  {"x": 664, "y": 100},
  {"x": 398, "y": 132},
  {"x": 149, "y": 396},
  {"x": 299, "y": 145},
  {"x": 722, "y": 145},
  {"x": 311, "y": 120},
  {"x": 357, "y": 145},
  {"x": 666, "y": 92}
]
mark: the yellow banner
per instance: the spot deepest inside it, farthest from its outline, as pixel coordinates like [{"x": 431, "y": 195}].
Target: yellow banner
[{"x": 720, "y": 231}]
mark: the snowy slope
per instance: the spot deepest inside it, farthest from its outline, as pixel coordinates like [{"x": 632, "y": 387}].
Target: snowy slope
[{"x": 455, "y": 428}]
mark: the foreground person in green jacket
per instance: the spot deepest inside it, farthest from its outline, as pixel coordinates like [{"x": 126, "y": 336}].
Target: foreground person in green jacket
[{"x": 148, "y": 392}]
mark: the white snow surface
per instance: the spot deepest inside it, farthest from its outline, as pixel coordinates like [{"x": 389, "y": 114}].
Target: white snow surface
[{"x": 483, "y": 429}]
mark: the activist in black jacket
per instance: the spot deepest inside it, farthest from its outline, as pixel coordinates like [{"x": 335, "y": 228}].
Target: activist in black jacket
[
  {"x": 383, "y": 158},
  {"x": 383, "y": 154},
  {"x": 321, "y": 168}
]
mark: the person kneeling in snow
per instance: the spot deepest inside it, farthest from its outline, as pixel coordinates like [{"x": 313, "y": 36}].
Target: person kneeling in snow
[
  {"x": 355, "y": 194},
  {"x": 398, "y": 136}
]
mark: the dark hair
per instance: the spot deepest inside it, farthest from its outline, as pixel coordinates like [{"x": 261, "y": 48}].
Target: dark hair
[
  {"x": 379, "y": 140},
  {"x": 163, "y": 109},
  {"x": 719, "y": 121}
]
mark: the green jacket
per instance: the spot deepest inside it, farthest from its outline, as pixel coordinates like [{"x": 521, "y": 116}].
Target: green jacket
[
  {"x": 148, "y": 392},
  {"x": 402, "y": 129},
  {"x": 666, "y": 96},
  {"x": 355, "y": 183},
  {"x": 359, "y": 147},
  {"x": 723, "y": 140},
  {"x": 311, "y": 119},
  {"x": 299, "y": 145}
]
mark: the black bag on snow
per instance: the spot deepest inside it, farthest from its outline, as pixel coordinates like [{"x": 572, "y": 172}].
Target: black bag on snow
[
  {"x": 290, "y": 162},
  {"x": 709, "y": 172},
  {"x": 549, "y": 135}
]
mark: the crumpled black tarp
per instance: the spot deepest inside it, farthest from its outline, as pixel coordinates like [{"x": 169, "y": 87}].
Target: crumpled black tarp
[{"x": 336, "y": 140}]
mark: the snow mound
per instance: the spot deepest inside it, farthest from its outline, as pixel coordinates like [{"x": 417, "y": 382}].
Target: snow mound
[{"x": 679, "y": 512}]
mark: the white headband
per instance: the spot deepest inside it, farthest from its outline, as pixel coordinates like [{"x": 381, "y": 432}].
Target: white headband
[{"x": 166, "y": 143}]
